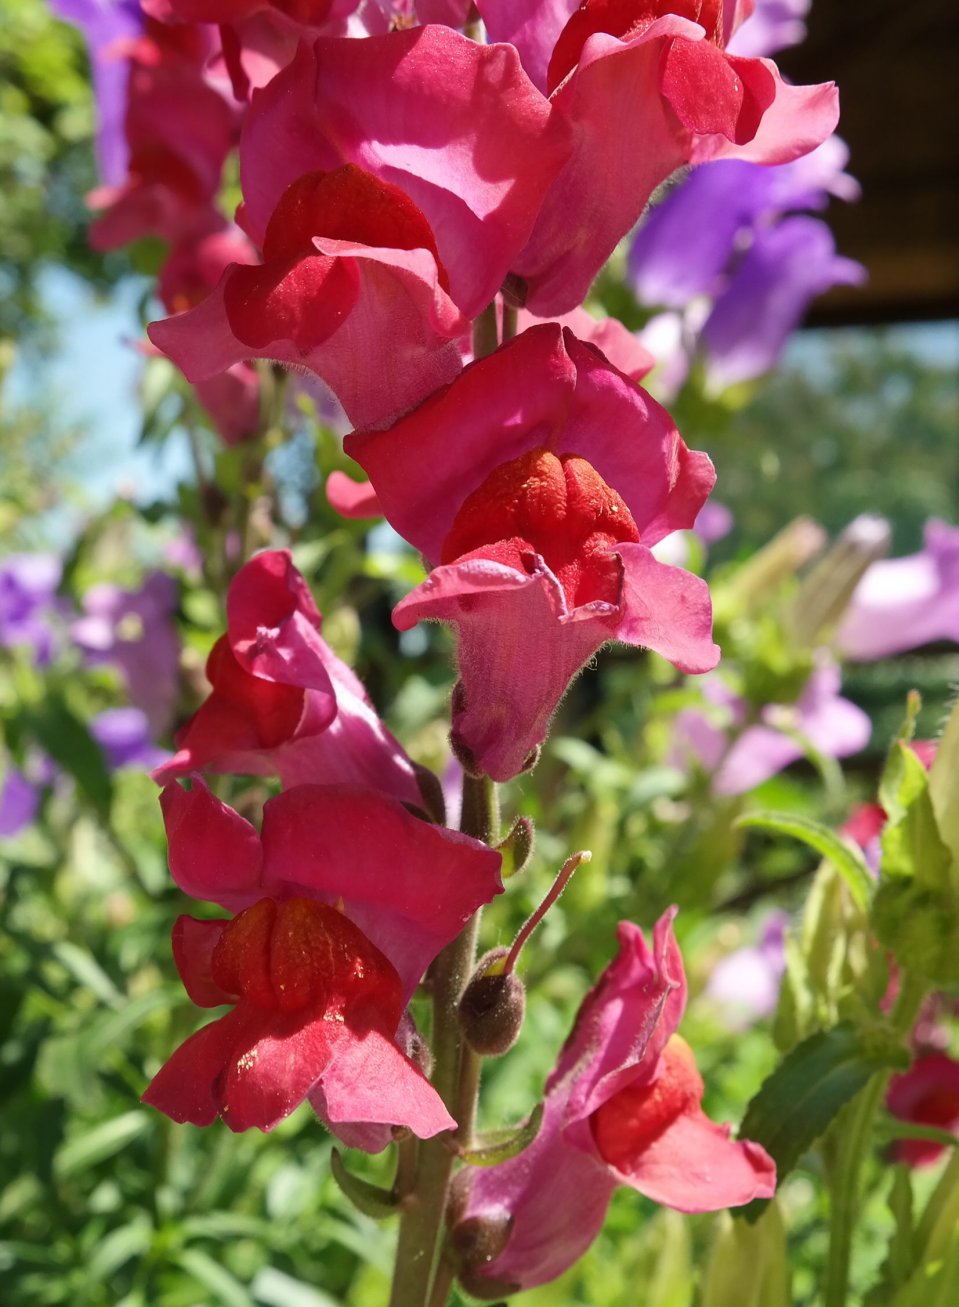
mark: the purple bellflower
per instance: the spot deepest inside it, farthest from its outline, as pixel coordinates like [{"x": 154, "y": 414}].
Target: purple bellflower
[{"x": 903, "y": 603}]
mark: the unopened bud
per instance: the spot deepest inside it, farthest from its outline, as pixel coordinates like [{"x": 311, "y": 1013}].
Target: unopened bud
[
  {"x": 826, "y": 590},
  {"x": 493, "y": 1005},
  {"x": 475, "y": 1242},
  {"x": 753, "y": 584}
]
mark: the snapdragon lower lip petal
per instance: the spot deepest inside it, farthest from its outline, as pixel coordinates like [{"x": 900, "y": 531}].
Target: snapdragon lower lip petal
[
  {"x": 518, "y": 646},
  {"x": 399, "y": 317}
]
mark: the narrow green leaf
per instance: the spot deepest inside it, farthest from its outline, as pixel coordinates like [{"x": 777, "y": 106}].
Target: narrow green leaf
[
  {"x": 503, "y": 1145},
  {"x": 368, "y": 1198},
  {"x": 890, "y": 1127},
  {"x": 84, "y": 967},
  {"x": 274, "y": 1289},
  {"x": 844, "y": 856},
  {"x": 92, "y": 1146},
  {"x": 802, "y": 1096},
  {"x": 119, "y": 1247},
  {"x": 226, "y": 1288}
]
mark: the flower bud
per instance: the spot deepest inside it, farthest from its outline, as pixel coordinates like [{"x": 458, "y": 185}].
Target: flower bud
[
  {"x": 492, "y": 1007},
  {"x": 475, "y": 1241}
]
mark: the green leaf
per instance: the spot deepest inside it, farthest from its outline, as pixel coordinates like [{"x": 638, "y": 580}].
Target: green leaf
[
  {"x": 911, "y": 843},
  {"x": 504, "y": 1144},
  {"x": 86, "y": 969},
  {"x": 368, "y": 1198},
  {"x": 226, "y": 1288},
  {"x": 844, "y": 856},
  {"x": 274, "y": 1289},
  {"x": 68, "y": 742},
  {"x": 119, "y": 1247},
  {"x": 85, "y": 1150},
  {"x": 802, "y": 1096}
]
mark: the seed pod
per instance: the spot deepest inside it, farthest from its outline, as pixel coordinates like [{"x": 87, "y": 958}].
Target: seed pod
[{"x": 492, "y": 1008}]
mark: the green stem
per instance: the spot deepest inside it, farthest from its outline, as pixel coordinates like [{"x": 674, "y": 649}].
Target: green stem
[
  {"x": 853, "y": 1150},
  {"x": 455, "y": 1078},
  {"x": 485, "y": 332}
]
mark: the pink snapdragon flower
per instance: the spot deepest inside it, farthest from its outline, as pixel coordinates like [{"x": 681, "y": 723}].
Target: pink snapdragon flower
[
  {"x": 329, "y": 938},
  {"x": 622, "y": 1107},
  {"x": 540, "y": 531},
  {"x": 381, "y": 238},
  {"x": 457, "y": 126},
  {"x": 282, "y": 703},
  {"x": 645, "y": 89},
  {"x": 903, "y": 603}
]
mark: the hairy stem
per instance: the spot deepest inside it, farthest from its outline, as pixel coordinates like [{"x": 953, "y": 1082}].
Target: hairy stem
[{"x": 455, "y": 1078}]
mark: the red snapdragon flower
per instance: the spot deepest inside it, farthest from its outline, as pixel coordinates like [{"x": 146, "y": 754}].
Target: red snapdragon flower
[
  {"x": 389, "y": 182},
  {"x": 282, "y": 703},
  {"x": 540, "y": 531},
  {"x": 622, "y": 1107},
  {"x": 926, "y": 1094},
  {"x": 329, "y": 939},
  {"x": 646, "y": 87}
]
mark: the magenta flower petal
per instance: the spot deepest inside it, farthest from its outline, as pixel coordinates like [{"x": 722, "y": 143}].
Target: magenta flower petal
[
  {"x": 194, "y": 943},
  {"x": 518, "y": 648},
  {"x": 396, "y": 314},
  {"x": 215, "y": 854},
  {"x": 185, "y": 1087},
  {"x": 371, "y": 1082},
  {"x": 282, "y": 703},
  {"x": 626, "y": 1018},
  {"x": 666, "y": 609},
  {"x": 694, "y": 1166},
  {"x": 408, "y": 885},
  {"x": 543, "y": 388},
  {"x": 798, "y": 119},
  {"x": 545, "y": 411},
  {"x": 927, "y": 1094},
  {"x": 532, "y": 26},
  {"x": 356, "y": 499},
  {"x": 274, "y": 624}
]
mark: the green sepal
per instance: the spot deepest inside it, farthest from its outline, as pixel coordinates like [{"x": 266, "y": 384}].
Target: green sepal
[
  {"x": 921, "y": 928},
  {"x": 517, "y": 847},
  {"x": 845, "y": 857},
  {"x": 800, "y": 1099},
  {"x": 367, "y": 1198},
  {"x": 911, "y": 843},
  {"x": 501, "y": 1145}
]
